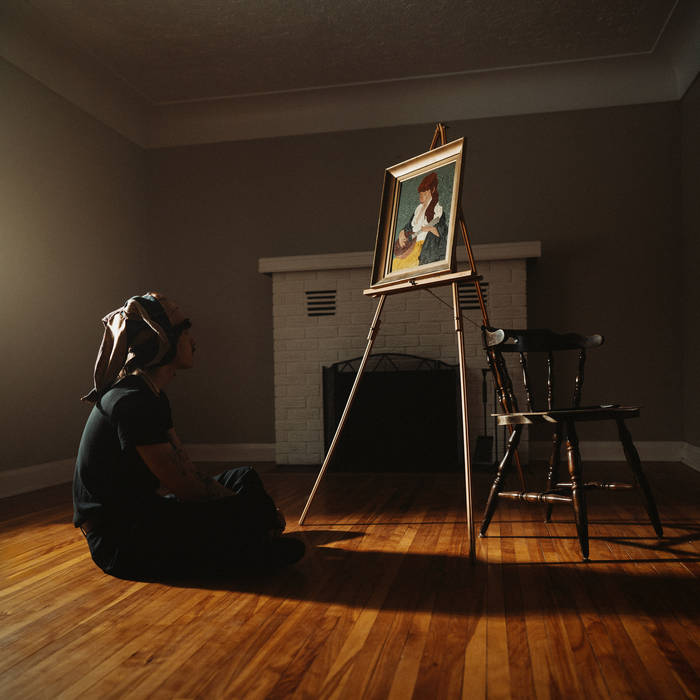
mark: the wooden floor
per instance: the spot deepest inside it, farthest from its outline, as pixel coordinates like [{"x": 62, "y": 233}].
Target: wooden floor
[{"x": 385, "y": 604}]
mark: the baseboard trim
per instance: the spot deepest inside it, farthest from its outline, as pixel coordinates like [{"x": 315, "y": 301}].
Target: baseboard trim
[
  {"x": 39, "y": 476},
  {"x": 235, "y": 452},
  {"x": 690, "y": 455}
]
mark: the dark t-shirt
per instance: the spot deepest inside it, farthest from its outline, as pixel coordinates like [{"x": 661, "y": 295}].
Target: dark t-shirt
[{"x": 111, "y": 482}]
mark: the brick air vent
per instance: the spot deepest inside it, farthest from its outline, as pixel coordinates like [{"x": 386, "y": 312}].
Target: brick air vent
[
  {"x": 468, "y": 299},
  {"x": 320, "y": 302}
]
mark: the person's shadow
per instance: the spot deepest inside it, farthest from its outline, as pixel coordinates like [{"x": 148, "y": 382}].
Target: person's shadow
[{"x": 448, "y": 583}]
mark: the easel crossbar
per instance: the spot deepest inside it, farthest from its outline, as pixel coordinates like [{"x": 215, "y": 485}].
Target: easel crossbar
[{"x": 423, "y": 283}]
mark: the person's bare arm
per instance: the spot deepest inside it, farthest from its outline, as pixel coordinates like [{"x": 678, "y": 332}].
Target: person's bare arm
[{"x": 177, "y": 473}]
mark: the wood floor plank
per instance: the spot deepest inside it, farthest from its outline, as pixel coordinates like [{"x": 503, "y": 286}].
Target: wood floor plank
[
  {"x": 533, "y": 604},
  {"x": 519, "y": 658},
  {"x": 216, "y": 633},
  {"x": 288, "y": 680},
  {"x": 27, "y": 637},
  {"x": 562, "y": 651},
  {"x": 357, "y": 577},
  {"x": 374, "y": 665},
  {"x": 384, "y": 605},
  {"x": 70, "y": 651},
  {"x": 497, "y": 663},
  {"x": 633, "y": 601},
  {"x": 408, "y": 639},
  {"x": 155, "y": 662},
  {"x": 675, "y": 647},
  {"x": 443, "y": 673},
  {"x": 339, "y": 674}
]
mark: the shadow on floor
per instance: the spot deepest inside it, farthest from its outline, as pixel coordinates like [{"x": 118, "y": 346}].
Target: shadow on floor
[{"x": 662, "y": 586}]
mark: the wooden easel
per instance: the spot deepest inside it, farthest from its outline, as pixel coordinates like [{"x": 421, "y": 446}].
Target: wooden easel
[{"x": 453, "y": 279}]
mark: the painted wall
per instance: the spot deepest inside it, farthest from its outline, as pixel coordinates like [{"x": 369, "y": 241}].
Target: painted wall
[
  {"x": 71, "y": 242},
  {"x": 690, "y": 116},
  {"x": 599, "y": 188},
  {"x": 88, "y": 219}
]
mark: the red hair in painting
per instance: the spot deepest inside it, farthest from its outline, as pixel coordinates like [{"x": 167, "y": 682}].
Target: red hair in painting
[{"x": 430, "y": 183}]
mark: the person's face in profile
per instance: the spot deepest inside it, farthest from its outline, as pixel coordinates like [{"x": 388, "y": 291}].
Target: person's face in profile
[{"x": 184, "y": 358}]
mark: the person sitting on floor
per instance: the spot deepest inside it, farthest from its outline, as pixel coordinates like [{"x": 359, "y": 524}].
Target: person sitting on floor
[{"x": 130, "y": 454}]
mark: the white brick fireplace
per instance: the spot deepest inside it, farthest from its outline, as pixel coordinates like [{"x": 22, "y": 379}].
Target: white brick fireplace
[{"x": 321, "y": 316}]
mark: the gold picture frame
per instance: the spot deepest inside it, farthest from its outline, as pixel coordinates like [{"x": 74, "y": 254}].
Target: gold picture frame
[{"x": 418, "y": 215}]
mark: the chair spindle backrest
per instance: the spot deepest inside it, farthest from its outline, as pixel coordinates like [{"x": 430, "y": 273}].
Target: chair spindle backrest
[
  {"x": 500, "y": 341},
  {"x": 529, "y": 396},
  {"x": 550, "y": 380},
  {"x": 578, "y": 384}
]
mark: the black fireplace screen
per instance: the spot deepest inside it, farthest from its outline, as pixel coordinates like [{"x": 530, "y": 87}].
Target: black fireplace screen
[{"x": 406, "y": 416}]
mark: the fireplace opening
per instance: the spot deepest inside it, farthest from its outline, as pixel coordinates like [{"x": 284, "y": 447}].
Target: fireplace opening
[{"x": 406, "y": 416}]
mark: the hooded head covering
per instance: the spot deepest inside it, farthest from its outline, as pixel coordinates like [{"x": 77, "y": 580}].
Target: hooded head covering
[{"x": 151, "y": 318}]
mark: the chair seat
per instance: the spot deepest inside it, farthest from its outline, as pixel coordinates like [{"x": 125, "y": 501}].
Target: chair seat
[{"x": 585, "y": 413}]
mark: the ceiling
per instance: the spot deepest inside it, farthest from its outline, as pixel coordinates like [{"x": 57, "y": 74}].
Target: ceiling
[
  {"x": 183, "y": 50},
  {"x": 167, "y": 72}
]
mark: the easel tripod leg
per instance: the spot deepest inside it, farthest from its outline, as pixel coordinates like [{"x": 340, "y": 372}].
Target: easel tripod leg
[
  {"x": 465, "y": 423},
  {"x": 370, "y": 342}
]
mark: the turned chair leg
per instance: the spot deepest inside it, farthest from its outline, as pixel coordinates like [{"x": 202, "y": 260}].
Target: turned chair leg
[
  {"x": 553, "y": 469},
  {"x": 578, "y": 493},
  {"x": 635, "y": 464},
  {"x": 501, "y": 474}
]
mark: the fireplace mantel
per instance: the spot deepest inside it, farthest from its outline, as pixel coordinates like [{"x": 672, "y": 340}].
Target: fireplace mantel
[{"x": 363, "y": 259}]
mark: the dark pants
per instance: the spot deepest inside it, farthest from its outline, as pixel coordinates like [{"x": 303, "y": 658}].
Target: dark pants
[{"x": 171, "y": 538}]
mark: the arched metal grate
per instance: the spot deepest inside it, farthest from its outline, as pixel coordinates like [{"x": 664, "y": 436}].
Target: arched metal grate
[{"x": 391, "y": 362}]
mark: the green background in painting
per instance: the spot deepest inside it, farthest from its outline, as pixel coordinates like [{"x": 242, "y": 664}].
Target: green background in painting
[{"x": 408, "y": 196}]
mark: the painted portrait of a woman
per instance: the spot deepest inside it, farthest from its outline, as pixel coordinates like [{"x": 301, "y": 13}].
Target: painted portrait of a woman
[{"x": 423, "y": 238}]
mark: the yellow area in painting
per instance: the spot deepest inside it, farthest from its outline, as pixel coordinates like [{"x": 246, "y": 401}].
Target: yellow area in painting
[{"x": 411, "y": 260}]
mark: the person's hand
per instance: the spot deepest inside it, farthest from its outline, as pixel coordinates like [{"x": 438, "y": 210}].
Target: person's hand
[
  {"x": 431, "y": 229},
  {"x": 403, "y": 239}
]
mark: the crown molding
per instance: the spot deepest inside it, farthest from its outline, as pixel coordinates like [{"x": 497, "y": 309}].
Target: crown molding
[
  {"x": 71, "y": 74},
  {"x": 553, "y": 88},
  {"x": 661, "y": 76},
  {"x": 678, "y": 46}
]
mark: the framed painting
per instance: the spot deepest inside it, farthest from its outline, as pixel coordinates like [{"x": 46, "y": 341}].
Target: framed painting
[{"x": 418, "y": 213}]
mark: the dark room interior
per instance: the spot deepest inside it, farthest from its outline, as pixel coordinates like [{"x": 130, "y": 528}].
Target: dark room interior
[{"x": 231, "y": 154}]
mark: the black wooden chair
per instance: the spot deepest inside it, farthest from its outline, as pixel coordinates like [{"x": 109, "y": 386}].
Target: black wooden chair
[{"x": 499, "y": 342}]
